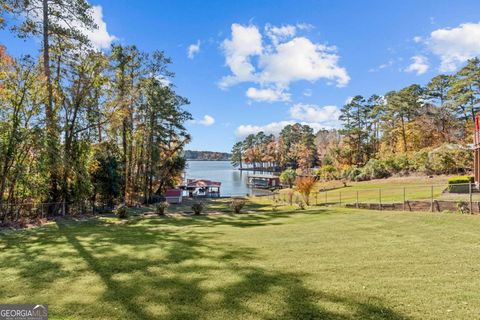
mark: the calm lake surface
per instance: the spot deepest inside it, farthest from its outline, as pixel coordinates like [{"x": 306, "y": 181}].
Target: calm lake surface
[{"x": 234, "y": 181}]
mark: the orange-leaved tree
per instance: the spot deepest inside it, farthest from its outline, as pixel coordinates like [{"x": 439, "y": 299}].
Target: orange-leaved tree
[{"x": 304, "y": 186}]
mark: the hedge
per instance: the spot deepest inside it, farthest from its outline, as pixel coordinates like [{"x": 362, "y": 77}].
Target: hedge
[
  {"x": 460, "y": 184},
  {"x": 461, "y": 179}
]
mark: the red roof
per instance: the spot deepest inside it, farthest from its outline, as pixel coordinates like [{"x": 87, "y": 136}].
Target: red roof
[
  {"x": 173, "y": 193},
  {"x": 198, "y": 183}
]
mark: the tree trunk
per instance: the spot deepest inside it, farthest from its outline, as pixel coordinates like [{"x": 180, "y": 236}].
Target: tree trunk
[{"x": 49, "y": 113}]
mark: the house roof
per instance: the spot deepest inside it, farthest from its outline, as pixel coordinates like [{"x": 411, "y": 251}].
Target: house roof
[
  {"x": 173, "y": 193},
  {"x": 199, "y": 183}
]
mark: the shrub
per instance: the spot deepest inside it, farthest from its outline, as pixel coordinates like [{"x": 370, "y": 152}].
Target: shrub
[
  {"x": 356, "y": 174},
  {"x": 288, "y": 177},
  {"x": 198, "y": 207},
  {"x": 461, "y": 179},
  {"x": 237, "y": 205},
  {"x": 460, "y": 184},
  {"x": 304, "y": 186},
  {"x": 449, "y": 159},
  {"x": 397, "y": 163},
  {"x": 375, "y": 169},
  {"x": 121, "y": 211},
  {"x": 160, "y": 208},
  {"x": 327, "y": 172}
]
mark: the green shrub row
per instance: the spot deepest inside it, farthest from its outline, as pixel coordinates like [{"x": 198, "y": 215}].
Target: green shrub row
[
  {"x": 461, "y": 179},
  {"x": 447, "y": 159}
]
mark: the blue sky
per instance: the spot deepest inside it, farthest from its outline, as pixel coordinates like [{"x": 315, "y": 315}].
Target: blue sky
[{"x": 257, "y": 65}]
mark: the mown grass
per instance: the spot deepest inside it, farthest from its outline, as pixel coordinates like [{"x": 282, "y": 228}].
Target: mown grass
[
  {"x": 325, "y": 263},
  {"x": 391, "y": 190}
]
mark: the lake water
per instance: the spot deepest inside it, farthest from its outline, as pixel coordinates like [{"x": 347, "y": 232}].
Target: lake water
[{"x": 234, "y": 181}]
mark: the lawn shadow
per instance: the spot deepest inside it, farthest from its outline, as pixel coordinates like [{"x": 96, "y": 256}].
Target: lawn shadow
[{"x": 156, "y": 269}]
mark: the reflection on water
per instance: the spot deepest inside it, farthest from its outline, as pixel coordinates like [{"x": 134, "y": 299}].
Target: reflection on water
[{"x": 234, "y": 181}]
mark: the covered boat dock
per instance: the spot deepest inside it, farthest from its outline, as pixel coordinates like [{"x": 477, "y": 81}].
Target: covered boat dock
[
  {"x": 263, "y": 181},
  {"x": 202, "y": 188}
]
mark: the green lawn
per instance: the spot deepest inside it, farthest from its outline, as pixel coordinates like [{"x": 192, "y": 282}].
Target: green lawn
[
  {"x": 328, "y": 263},
  {"x": 392, "y": 190}
]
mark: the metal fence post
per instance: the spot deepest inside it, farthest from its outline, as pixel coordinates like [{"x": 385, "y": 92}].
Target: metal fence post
[
  {"x": 404, "y": 198},
  {"x": 357, "y": 200},
  {"x": 340, "y": 197},
  {"x": 470, "y": 195},
  {"x": 316, "y": 199},
  {"x": 431, "y": 198},
  {"x": 380, "y": 198}
]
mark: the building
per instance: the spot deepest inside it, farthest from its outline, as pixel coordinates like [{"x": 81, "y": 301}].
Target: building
[
  {"x": 173, "y": 196},
  {"x": 263, "y": 181},
  {"x": 202, "y": 188}
]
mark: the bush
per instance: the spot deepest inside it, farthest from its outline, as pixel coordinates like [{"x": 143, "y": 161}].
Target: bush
[
  {"x": 160, "y": 208},
  {"x": 375, "y": 169},
  {"x": 460, "y": 184},
  {"x": 198, "y": 207},
  {"x": 461, "y": 179},
  {"x": 237, "y": 205},
  {"x": 327, "y": 172},
  {"x": 356, "y": 174},
  {"x": 121, "y": 211},
  {"x": 449, "y": 159},
  {"x": 397, "y": 163},
  {"x": 304, "y": 186}
]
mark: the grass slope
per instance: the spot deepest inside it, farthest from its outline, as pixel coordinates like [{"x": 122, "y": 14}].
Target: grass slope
[
  {"x": 392, "y": 190},
  {"x": 320, "y": 264}
]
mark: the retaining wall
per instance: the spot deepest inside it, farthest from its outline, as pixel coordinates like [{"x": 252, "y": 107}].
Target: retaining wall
[{"x": 438, "y": 206}]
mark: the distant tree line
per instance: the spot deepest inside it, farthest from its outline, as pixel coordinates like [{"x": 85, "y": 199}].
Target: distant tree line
[
  {"x": 294, "y": 147},
  {"x": 77, "y": 124},
  {"x": 206, "y": 155},
  {"x": 416, "y": 129}
]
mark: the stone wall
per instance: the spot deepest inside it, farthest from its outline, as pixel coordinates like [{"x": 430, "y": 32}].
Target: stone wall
[{"x": 438, "y": 206}]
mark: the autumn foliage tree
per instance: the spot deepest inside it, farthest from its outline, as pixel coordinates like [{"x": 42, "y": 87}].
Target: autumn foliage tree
[{"x": 304, "y": 186}]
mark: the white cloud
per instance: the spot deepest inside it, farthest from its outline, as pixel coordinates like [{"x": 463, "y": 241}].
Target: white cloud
[
  {"x": 100, "y": 37},
  {"x": 193, "y": 49},
  {"x": 314, "y": 113},
  {"x": 388, "y": 64},
  {"x": 206, "y": 120},
  {"x": 286, "y": 58},
  {"x": 246, "y": 41},
  {"x": 282, "y": 33},
  {"x": 307, "y": 92},
  {"x": 454, "y": 46},
  {"x": 419, "y": 65},
  {"x": 301, "y": 59},
  {"x": 267, "y": 95},
  {"x": 307, "y": 114},
  {"x": 417, "y": 39}
]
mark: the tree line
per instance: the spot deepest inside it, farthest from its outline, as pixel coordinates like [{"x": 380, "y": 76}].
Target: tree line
[
  {"x": 418, "y": 128},
  {"x": 78, "y": 124}
]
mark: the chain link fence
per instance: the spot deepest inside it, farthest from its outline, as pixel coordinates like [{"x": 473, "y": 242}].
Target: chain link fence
[
  {"x": 12, "y": 213},
  {"x": 436, "y": 197}
]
